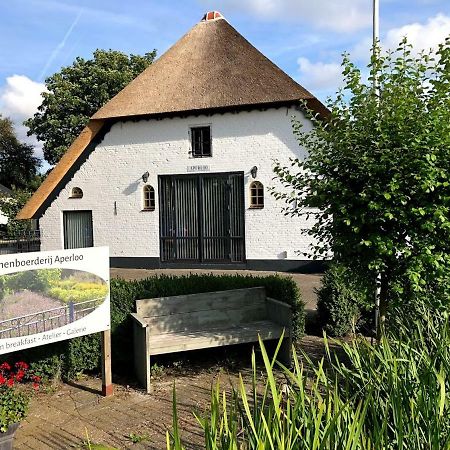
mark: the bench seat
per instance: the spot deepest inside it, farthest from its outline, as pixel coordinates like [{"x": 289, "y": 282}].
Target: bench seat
[{"x": 215, "y": 337}]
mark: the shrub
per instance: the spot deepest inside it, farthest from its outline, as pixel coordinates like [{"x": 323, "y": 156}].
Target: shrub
[
  {"x": 33, "y": 280},
  {"x": 2, "y": 287},
  {"x": 48, "y": 277},
  {"x": 82, "y": 354},
  {"x": 344, "y": 303},
  {"x": 78, "y": 292},
  {"x": 24, "y": 280}
]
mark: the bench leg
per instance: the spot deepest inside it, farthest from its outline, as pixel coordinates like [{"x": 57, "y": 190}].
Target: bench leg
[
  {"x": 285, "y": 352},
  {"x": 142, "y": 357},
  {"x": 148, "y": 386}
]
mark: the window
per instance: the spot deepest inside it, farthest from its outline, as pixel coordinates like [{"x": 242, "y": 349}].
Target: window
[
  {"x": 76, "y": 193},
  {"x": 149, "y": 198},
  {"x": 256, "y": 195},
  {"x": 201, "y": 141}
]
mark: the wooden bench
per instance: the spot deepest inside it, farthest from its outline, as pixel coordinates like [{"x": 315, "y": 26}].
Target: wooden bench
[{"x": 211, "y": 319}]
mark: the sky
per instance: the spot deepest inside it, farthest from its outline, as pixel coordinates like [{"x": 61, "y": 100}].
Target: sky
[{"x": 306, "y": 38}]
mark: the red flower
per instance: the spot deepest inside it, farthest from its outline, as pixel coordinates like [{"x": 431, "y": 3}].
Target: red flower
[
  {"x": 36, "y": 380},
  {"x": 20, "y": 374},
  {"x": 5, "y": 366},
  {"x": 9, "y": 376},
  {"x": 21, "y": 365}
]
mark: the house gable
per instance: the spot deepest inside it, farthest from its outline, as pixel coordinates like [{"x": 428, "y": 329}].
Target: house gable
[{"x": 209, "y": 70}]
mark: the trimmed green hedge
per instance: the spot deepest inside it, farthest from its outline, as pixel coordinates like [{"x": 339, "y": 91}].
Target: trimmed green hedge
[
  {"x": 344, "y": 303},
  {"x": 83, "y": 354}
]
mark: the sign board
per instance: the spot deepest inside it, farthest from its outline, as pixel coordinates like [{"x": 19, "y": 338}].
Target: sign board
[
  {"x": 198, "y": 168},
  {"x": 53, "y": 296}
]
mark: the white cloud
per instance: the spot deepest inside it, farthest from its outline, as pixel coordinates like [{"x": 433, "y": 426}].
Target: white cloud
[
  {"x": 19, "y": 100},
  {"x": 362, "y": 50},
  {"x": 319, "y": 75},
  {"x": 21, "y": 96},
  {"x": 342, "y": 16},
  {"x": 422, "y": 36}
]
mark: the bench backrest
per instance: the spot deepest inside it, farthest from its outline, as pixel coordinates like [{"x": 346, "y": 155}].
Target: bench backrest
[{"x": 203, "y": 311}]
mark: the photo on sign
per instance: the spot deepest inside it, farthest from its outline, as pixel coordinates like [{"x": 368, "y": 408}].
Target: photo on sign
[{"x": 37, "y": 301}]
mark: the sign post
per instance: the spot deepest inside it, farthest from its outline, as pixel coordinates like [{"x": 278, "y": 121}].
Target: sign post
[
  {"x": 53, "y": 296},
  {"x": 107, "y": 386}
]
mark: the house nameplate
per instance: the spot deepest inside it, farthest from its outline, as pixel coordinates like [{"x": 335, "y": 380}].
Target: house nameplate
[{"x": 198, "y": 168}]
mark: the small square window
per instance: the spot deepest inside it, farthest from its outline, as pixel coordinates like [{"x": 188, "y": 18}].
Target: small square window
[{"x": 201, "y": 142}]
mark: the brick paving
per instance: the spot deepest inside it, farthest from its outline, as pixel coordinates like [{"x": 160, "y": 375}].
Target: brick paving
[
  {"x": 71, "y": 415},
  {"x": 65, "y": 416}
]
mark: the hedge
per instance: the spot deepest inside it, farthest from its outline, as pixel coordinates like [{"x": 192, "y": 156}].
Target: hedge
[
  {"x": 70, "y": 358},
  {"x": 344, "y": 303}
]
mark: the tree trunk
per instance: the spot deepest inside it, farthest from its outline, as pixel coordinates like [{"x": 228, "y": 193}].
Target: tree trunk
[{"x": 384, "y": 292}]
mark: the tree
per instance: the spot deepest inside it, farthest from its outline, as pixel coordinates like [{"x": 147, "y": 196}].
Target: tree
[
  {"x": 376, "y": 177},
  {"x": 76, "y": 92},
  {"x": 18, "y": 165},
  {"x": 10, "y": 207}
]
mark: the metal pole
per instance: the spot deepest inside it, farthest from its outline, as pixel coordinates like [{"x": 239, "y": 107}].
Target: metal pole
[
  {"x": 375, "y": 37},
  {"x": 375, "y": 42},
  {"x": 376, "y": 21}
]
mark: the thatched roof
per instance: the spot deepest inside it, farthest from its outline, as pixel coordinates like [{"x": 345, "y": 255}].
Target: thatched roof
[
  {"x": 55, "y": 177},
  {"x": 212, "y": 66}
]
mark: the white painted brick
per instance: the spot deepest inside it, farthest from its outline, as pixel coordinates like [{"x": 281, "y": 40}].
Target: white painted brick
[{"x": 113, "y": 171}]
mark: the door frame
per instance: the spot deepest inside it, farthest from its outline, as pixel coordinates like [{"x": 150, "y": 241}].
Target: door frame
[{"x": 201, "y": 262}]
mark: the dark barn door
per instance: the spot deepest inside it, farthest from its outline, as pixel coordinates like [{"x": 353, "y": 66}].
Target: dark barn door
[
  {"x": 202, "y": 218},
  {"x": 78, "y": 231}
]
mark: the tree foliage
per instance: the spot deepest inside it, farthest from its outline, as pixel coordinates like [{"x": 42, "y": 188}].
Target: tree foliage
[
  {"x": 10, "y": 207},
  {"x": 18, "y": 165},
  {"x": 376, "y": 177},
  {"x": 76, "y": 92}
]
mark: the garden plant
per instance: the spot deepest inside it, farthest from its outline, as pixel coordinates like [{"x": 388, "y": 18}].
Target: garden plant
[
  {"x": 15, "y": 384},
  {"x": 376, "y": 179},
  {"x": 394, "y": 394}
]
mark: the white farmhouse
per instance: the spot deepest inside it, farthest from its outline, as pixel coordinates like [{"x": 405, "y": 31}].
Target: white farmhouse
[{"x": 174, "y": 171}]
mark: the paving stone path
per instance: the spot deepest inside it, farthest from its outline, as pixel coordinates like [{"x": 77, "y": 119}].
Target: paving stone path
[{"x": 64, "y": 417}]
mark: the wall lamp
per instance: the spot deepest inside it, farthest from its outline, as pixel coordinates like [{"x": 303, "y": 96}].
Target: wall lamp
[
  {"x": 145, "y": 177},
  {"x": 254, "y": 171}
]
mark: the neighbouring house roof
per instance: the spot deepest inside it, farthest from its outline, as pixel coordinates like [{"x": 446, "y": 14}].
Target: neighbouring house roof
[{"x": 212, "y": 67}]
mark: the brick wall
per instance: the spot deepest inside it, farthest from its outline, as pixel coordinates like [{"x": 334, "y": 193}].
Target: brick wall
[{"x": 112, "y": 174}]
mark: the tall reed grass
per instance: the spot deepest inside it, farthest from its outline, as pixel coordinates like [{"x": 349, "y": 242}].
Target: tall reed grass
[{"x": 390, "y": 395}]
